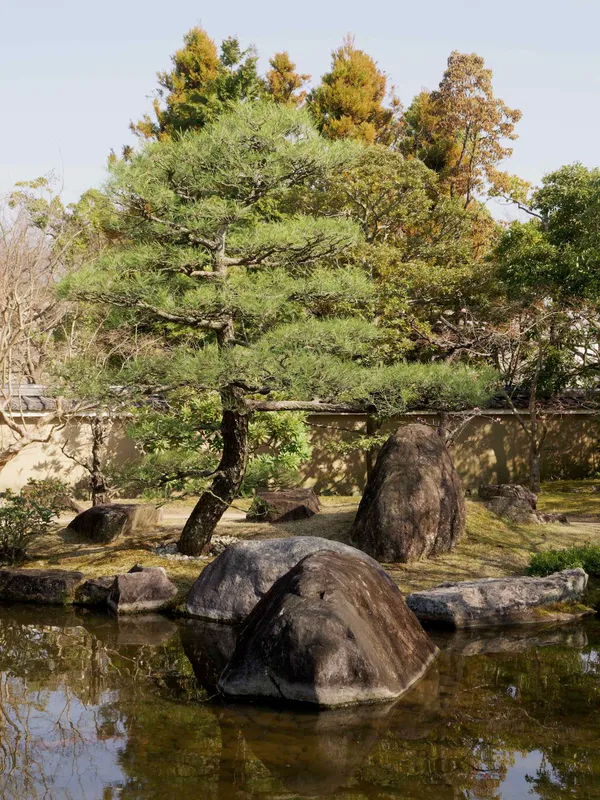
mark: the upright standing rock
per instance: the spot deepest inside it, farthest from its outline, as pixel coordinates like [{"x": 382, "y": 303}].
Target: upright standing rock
[{"x": 413, "y": 505}]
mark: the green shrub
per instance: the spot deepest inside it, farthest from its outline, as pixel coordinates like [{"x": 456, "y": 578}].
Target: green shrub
[
  {"x": 549, "y": 561},
  {"x": 26, "y": 515},
  {"x": 258, "y": 510}
]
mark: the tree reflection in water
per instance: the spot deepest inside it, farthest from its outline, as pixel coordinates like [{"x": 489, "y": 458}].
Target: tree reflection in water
[{"x": 92, "y": 707}]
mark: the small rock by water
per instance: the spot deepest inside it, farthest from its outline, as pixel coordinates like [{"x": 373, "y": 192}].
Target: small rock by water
[
  {"x": 141, "y": 589},
  {"x": 95, "y": 591},
  {"x": 42, "y": 586}
]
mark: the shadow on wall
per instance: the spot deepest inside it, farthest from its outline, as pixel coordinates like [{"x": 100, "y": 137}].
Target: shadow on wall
[
  {"x": 331, "y": 470},
  {"x": 491, "y": 449}
]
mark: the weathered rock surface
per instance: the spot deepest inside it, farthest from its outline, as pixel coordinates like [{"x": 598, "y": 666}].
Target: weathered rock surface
[
  {"x": 43, "y": 586},
  {"x": 141, "y": 589},
  {"x": 228, "y": 588},
  {"x": 413, "y": 505},
  {"x": 333, "y": 631},
  {"x": 104, "y": 523},
  {"x": 497, "y": 601},
  {"x": 517, "y": 504},
  {"x": 511, "y": 490},
  {"x": 513, "y": 509},
  {"x": 285, "y": 506},
  {"x": 94, "y": 592}
]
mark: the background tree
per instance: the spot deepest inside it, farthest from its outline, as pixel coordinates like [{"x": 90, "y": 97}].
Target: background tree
[
  {"x": 537, "y": 321},
  {"x": 284, "y": 84},
  {"x": 460, "y": 129},
  {"x": 425, "y": 251},
  {"x": 349, "y": 102},
  {"x": 36, "y": 327},
  {"x": 201, "y": 85},
  {"x": 247, "y": 293},
  {"x": 549, "y": 267}
]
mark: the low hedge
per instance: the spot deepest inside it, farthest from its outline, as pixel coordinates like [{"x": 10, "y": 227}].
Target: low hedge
[{"x": 549, "y": 561}]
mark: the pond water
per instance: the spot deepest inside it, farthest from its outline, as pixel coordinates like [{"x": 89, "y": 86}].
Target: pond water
[{"x": 92, "y": 707}]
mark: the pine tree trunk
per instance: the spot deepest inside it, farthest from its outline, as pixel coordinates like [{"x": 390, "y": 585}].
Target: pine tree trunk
[{"x": 197, "y": 532}]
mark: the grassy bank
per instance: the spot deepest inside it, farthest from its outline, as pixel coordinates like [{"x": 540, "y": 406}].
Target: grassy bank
[{"x": 491, "y": 546}]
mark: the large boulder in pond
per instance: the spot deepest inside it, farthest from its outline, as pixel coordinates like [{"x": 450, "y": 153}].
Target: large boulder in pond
[
  {"x": 228, "y": 589},
  {"x": 141, "y": 589},
  {"x": 500, "y": 601},
  {"x": 41, "y": 586},
  {"x": 413, "y": 506},
  {"x": 284, "y": 506},
  {"x": 103, "y": 523},
  {"x": 333, "y": 631}
]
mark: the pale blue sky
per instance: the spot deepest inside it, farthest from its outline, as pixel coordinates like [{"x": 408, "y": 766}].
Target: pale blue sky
[{"x": 74, "y": 72}]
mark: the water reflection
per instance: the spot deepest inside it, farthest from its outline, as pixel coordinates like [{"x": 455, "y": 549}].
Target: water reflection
[{"x": 92, "y": 707}]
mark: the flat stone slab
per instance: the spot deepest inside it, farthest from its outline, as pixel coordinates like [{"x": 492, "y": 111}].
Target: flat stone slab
[
  {"x": 497, "y": 601},
  {"x": 285, "y": 506},
  {"x": 228, "y": 588},
  {"x": 42, "y": 586},
  {"x": 333, "y": 631},
  {"x": 104, "y": 523},
  {"x": 142, "y": 589}
]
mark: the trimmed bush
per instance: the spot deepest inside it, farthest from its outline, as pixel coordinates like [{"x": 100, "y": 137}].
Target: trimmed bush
[{"x": 549, "y": 561}]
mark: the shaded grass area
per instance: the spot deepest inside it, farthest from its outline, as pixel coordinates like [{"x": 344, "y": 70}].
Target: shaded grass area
[{"x": 491, "y": 547}]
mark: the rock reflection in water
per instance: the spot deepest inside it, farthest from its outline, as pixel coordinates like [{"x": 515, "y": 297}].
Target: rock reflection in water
[
  {"x": 312, "y": 753},
  {"x": 209, "y": 646},
  {"x": 511, "y": 640}
]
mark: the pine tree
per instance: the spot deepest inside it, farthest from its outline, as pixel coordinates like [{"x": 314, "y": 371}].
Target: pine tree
[
  {"x": 246, "y": 293},
  {"x": 349, "y": 103}
]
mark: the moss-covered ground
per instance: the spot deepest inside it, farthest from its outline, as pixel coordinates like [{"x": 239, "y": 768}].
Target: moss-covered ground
[{"x": 490, "y": 547}]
